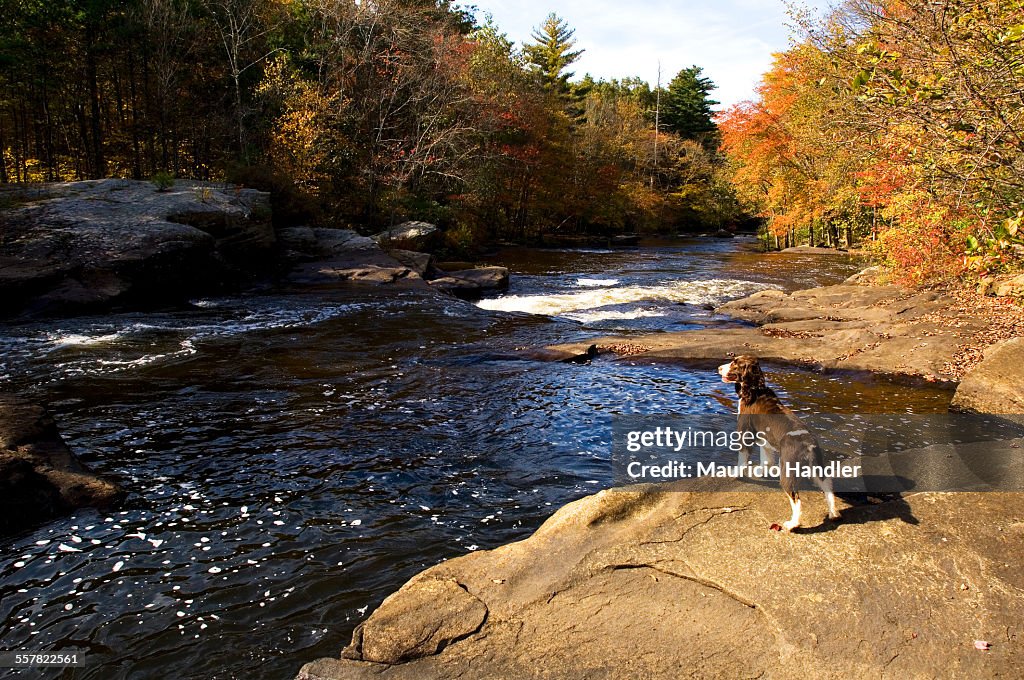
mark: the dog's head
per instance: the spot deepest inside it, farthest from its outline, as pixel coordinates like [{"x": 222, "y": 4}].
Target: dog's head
[{"x": 746, "y": 372}]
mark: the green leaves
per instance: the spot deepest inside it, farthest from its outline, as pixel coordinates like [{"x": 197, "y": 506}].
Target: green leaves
[{"x": 551, "y": 52}]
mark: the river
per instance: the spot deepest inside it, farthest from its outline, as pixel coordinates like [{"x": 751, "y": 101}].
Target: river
[{"x": 293, "y": 457}]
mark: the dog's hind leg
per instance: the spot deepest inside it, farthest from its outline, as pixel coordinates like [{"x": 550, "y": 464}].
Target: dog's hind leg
[
  {"x": 794, "y": 503},
  {"x": 789, "y": 485},
  {"x": 830, "y": 497}
]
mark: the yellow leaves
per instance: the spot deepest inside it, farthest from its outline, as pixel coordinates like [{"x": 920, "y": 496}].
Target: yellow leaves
[{"x": 1013, "y": 34}]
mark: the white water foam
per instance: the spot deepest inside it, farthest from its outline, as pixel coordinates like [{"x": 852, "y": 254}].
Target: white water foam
[
  {"x": 114, "y": 349},
  {"x": 59, "y": 340},
  {"x": 610, "y": 315},
  {"x": 709, "y": 291},
  {"x": 596, "y": 283}
]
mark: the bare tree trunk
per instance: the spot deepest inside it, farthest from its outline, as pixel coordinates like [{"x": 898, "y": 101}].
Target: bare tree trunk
[
  {"x": 3, "y": 152},
  {"x": 99, "y": 162}
]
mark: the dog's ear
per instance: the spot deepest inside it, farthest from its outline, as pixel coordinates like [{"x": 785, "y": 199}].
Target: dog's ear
[{"x": 749, "y": 377}]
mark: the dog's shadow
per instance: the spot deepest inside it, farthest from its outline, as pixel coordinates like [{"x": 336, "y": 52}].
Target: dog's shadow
[{"x": 864, "y": 508}]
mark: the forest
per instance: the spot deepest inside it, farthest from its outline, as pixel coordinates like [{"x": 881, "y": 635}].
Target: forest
[
  {"x": 357, "y": 114},
  {"x": 892, "y": 123},
  {"x": 901, "y": 123}
]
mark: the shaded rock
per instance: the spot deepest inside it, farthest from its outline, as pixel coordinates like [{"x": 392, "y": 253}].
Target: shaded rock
[
  {"x": 297, "y": 242},
  {"x": 996, "y": 385},
  {"x": 460, "y": 288},
  {"x": 584, "y": 358},
  {"x": 421, "y": 263},
  {"x": 1010, "y": 288},
  {"x": 655, "y": 583},
  {"x": 625, "y": 240},
  {"x": 330, "y": 256},
  {"x": 419, "y": 620},
  {"x": 40, "y": 477},
  {"x": 332, "y": 242},
  {"x": 97, "y": 244},
  {"x": 486, "y": 278},
  {"x": 409, "y": 235},
  {"x": 308, "y": 243},
  {"x": 454, "y": 266},
  {"x": 723, "y": 233}
]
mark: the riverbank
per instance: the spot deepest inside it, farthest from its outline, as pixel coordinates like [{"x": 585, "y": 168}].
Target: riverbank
[{"x": 655, "y": 583}]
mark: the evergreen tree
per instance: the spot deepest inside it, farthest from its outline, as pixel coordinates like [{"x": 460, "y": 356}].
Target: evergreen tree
[
  {"x": 551, "y": 53},
  {"x": 686, "y": 107}
]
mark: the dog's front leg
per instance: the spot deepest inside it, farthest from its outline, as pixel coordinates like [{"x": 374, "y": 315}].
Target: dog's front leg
[{"x": 744, "y": 456}]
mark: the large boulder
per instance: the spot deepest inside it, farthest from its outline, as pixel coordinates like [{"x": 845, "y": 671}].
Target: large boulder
[
  {"x": 996, "y": 385},
  {"x": 87, "y": 246},
  {"x": 658, "y": 583},
  {"x": 330, "y": 256},
  {"x": 40, "y": 477},
  {"x": 421, "y": 263},
  {"x": 409, "y": 235},
  {"x": 460, "y": 288},
  {"x": 488, "y": 279}
]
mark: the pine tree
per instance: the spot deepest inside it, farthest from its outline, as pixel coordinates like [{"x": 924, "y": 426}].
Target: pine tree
[
  {"x": 687, "y": 106},
  {"x": 551, "y": 53}
]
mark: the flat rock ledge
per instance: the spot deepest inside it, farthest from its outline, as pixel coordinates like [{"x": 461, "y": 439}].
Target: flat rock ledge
[
  {"x": 884, "y": 329},
  {"x": 654, "y": 583},
  {"x": 40, "y": 477}
]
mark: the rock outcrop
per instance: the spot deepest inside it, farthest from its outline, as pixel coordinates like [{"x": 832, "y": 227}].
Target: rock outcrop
[
  {"x": 421, "y": 263},
  {"x": 652, "y": 583},
  {"x": 883, "y": 329},
  {"x": 996, "y": 385},
  {"x": 92, "y": 245},
  {"x": 472, "y": 284},
  {"x": 1013, "y": 287},
  {"x": 330, "y": 256},
  {"x": 489, "y": 279},
  {"x": 410, "y": 235},
  {"x": 40, "y": 477}
]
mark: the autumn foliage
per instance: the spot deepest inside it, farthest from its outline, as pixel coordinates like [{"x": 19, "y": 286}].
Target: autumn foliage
[
  {"x": 897, "y": 122},
  {"x": 355, "y": 114}
]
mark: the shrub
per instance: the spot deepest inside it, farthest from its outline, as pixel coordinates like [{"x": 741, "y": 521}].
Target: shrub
[{"x": 163, "y": 181}]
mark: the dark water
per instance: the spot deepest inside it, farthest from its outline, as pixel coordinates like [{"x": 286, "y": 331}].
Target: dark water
[{"x": 294, "y": 458}]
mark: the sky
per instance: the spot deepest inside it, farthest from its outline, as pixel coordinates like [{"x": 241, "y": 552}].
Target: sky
[{"x": 732, "y": 40}]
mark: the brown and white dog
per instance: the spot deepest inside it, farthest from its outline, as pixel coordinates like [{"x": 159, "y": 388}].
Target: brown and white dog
[{"x": 760, "y": 410}]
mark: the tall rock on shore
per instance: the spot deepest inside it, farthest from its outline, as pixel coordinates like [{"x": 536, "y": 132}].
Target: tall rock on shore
[
  {"x": 40, "y": 477},
  {"x": 996, "y": 385}
]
